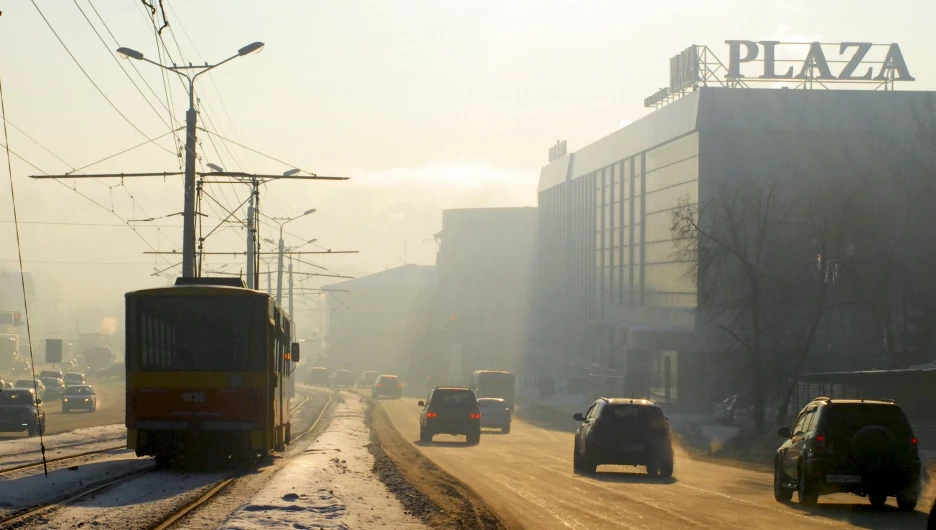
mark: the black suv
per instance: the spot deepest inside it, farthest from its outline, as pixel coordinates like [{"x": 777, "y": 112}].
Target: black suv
[
  {"x": 450, "y": 410},
  {"x": 865, "y": 447},
  {"x": 623, "y": 432},
  {"x": 21, "y": 410}
]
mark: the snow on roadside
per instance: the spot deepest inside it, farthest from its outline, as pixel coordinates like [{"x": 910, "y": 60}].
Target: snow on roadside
[
  {"x": 330, "y": 485},
  {"x": 25, "y": 450}
]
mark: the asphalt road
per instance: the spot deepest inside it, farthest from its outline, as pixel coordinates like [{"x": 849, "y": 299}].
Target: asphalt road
[
  {"x": 111, "y": 409},
  {"x": 526, "y": 477}
]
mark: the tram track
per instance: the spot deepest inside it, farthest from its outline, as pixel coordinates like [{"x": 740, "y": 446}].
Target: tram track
[{"x": 20, "y": 467}]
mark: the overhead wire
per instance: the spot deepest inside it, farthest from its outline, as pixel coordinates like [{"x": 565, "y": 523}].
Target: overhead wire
[
  {"x": 40, "y": 421},
  {"x": 91, "y": 79}
]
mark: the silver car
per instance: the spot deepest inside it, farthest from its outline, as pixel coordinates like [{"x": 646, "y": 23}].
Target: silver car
[
  {"x": 494, "y": 414},
  {"x": 79, "y": 397}
]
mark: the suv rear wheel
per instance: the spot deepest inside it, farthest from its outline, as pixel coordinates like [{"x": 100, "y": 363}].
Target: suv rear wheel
[
  {"x": 578, "y": 465},
  {"x": 808, "y": 495},
  {"x": 877, "y": 499},
  {"x": 589, "y": 466},
  {"x": 474, "y": 438},
  {"x": 424, "y": 435}
]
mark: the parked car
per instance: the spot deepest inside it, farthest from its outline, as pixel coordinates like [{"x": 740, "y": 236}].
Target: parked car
[
  {"x": 863, "y": 447},
  {"x": 343, "y": 378},
  {"x": 450, "y": 410},
  {"x": 623, "y": 431},
  {"x": 317, "y": 376},
  {"x": 114, "y": 370},
  {"x": 79, "y": 397},
  {"x": 29, "y": 384},
  {"x": 74, "y": 378},
  {"x": 21, "y": 410},
  {"x": 367, "y": 378},
  {"x": 54, "y": 388},
  {"x": 387, "y": 385},
  {"x": 494, "y": 413},
  {"x": 57, "y": 373}
]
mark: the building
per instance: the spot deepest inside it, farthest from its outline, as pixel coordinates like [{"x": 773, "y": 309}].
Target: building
[
  {"x": 381, "y": 321},
  {"x": 612, "y": 293},
  {"x": 485, "y": 267}
]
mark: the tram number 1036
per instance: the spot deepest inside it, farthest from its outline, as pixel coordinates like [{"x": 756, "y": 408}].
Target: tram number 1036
[{"x": 193, "y": 397}]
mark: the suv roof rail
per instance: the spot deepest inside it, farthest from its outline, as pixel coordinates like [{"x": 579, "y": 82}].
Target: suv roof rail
[
  {"x": 888, "y": 400},
  {"x": 822, "y": 398}
]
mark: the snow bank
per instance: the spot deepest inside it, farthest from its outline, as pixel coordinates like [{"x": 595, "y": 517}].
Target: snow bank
[
  {"x": 330, "y": 485},
  {"x": 25, "y": 450}
]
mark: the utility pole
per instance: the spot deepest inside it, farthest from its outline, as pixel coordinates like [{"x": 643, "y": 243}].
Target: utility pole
[
  {"x": 290, "y": 289},
  {"x": 279, "y": 271},
  {"x": 269, "y": 281},
  {"x": 251, "y": 245}
]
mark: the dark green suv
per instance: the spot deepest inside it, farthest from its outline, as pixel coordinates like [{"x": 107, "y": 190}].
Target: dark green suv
[
  {"x": 864, "y": 447},
  {"x": 623, "y": 431},
  {"x": 450, "y": 410}
]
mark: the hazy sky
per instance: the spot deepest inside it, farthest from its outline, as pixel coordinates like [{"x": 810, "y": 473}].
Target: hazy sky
[{"x": 425, "y": 104}]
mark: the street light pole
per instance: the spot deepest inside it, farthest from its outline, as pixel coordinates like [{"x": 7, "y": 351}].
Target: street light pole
[
  {"x": 290, "y": 289},
  {"x": 191, "y": 118},
  {"x": 282, "y": 248}
]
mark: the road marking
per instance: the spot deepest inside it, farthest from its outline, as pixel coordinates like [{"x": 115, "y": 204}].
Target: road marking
[{"x": 759, "y": 505}]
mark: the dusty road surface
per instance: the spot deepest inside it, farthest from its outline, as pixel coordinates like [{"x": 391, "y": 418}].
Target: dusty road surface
[
  {"x": 111, "y": 410},
  {"x": 526, "y": 477}
]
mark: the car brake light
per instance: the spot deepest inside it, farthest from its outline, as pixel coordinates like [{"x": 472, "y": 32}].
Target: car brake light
[
  {"x": 475, "y": 416},
  {"x": 432, "y": 415},
  {"x": 378, "y": 384},
  {"x": 914, "y": 446},
  {"x": 399, "y": 385},
  {"x": 818, "y": 442}
]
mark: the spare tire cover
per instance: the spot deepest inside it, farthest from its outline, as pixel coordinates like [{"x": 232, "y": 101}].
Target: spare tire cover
[{"x": 874, "y": 448}]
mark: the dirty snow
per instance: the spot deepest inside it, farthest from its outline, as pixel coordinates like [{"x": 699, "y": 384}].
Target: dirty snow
[
  {"x": 26, "y": 450},
  {"x": 30, "y": 487},
  {"x": 329, "y": 486}
]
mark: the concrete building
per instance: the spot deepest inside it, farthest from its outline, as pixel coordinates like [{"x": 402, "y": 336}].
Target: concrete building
[
  {"x": 485, "y": 266},
  {"x": 382, "y": 321},
  {"x": 611, "y": 292}
]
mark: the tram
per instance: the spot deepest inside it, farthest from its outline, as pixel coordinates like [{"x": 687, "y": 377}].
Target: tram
[{"x": 208, "y": 371}]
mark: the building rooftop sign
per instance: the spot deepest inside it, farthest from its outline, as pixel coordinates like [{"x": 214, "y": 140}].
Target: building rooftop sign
[
  {"x": 557, "y": 151},
  {"x": 784, "y": 64}
]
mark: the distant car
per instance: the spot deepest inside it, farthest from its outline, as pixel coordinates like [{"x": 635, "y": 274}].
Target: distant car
[
  {"x": 387, "y": 385},
  {"x": 54, "y": 388},
  {"x": 317, "y": 376},
  {"x": 74, "y": 378},
  {"x": 114, "y": 370},
  {"x": 7, "y": 384},
  {"x": 28, "y": 384},
  {"x": 343, "y": 378},
  {"x": 450, "y": 410},
  {"x": 21, "y": 366},
  {"x": 494, "y": 414},
  {"x": 21, "y": 410},
  {"x": 623, "y": 431},
  {"x": 367, "y": 378},
  {"x": 864, "y": 447},
  {"x": 79, "y": 397},
  {"x": 57, "y": 373}
]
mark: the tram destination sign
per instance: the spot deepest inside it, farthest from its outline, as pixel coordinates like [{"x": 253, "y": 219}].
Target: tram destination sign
[{"x": 843, "y": 61}]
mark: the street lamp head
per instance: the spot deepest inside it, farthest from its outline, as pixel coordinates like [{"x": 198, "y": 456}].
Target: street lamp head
[
  {"x": 250, "y": 48},
  {"x": 270, "y": 241},
  {"x": 307, "y": 212},
  {"x": 216, "y": 167},
  {"x": 128, "y": 53},
  {"x": 291, "y": 172},
  {"x": 309, "y": 242}
]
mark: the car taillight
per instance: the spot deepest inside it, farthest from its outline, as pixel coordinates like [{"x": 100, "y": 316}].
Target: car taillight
[
  {"x": 818, "y": 442},
  {"x": 398, "y": 385},
  {"x": 475, "y": 416},
  {"x": 378, "y": 384},
  {"x": 914, "y": 446},
  {"x": 432, "y": 415}
]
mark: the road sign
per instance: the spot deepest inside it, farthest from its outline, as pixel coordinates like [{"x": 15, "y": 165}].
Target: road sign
[{"x": 53, "y": 350}]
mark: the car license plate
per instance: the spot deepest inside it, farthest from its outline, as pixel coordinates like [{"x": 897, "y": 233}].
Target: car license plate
[
  {"x": 632, "y": 447},
  {"x": 844, "y": 479}
]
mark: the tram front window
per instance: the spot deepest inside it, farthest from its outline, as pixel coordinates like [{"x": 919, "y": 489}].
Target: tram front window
[{"x": 199, "y": 333}]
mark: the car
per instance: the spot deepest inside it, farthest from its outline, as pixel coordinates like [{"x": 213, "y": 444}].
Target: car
[
  {"x": 54, "y": 388},
  {"x": 74, "y": 378},
  {"x": 57, "y": 373},
  {"x": 79, "y": 397},
  {"x": 21, "y": 366},
  {"x": 30, "y": 384},
  {"x": 368, "y": 378},
  {"x": 114, "y": 370},
  {"x": 343, "y": 378},
  {"x": 387, "y": 385},
  {"x": 21, "y": 410},
  {"x": 860, "y": 446},
  {"x": 7, "y": 385},
  {"x": 623, "y": 431},
  {"x": 494, "y": 413},
  {"x": 317, "y": 376},
  {"x": 450, "y": 410}
]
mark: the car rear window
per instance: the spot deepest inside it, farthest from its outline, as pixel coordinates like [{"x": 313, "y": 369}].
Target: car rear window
[
  {"x": 847, "y": 418},
  {"x": 633, "y": 414},
  {"x": 15, "y": 397},
  {"x": 454, "y": 399},
  {"x": 388, "y": 378}
]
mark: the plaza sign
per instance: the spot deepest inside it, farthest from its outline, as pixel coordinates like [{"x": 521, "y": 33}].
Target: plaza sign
[{"x": 859, "y": 66}]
